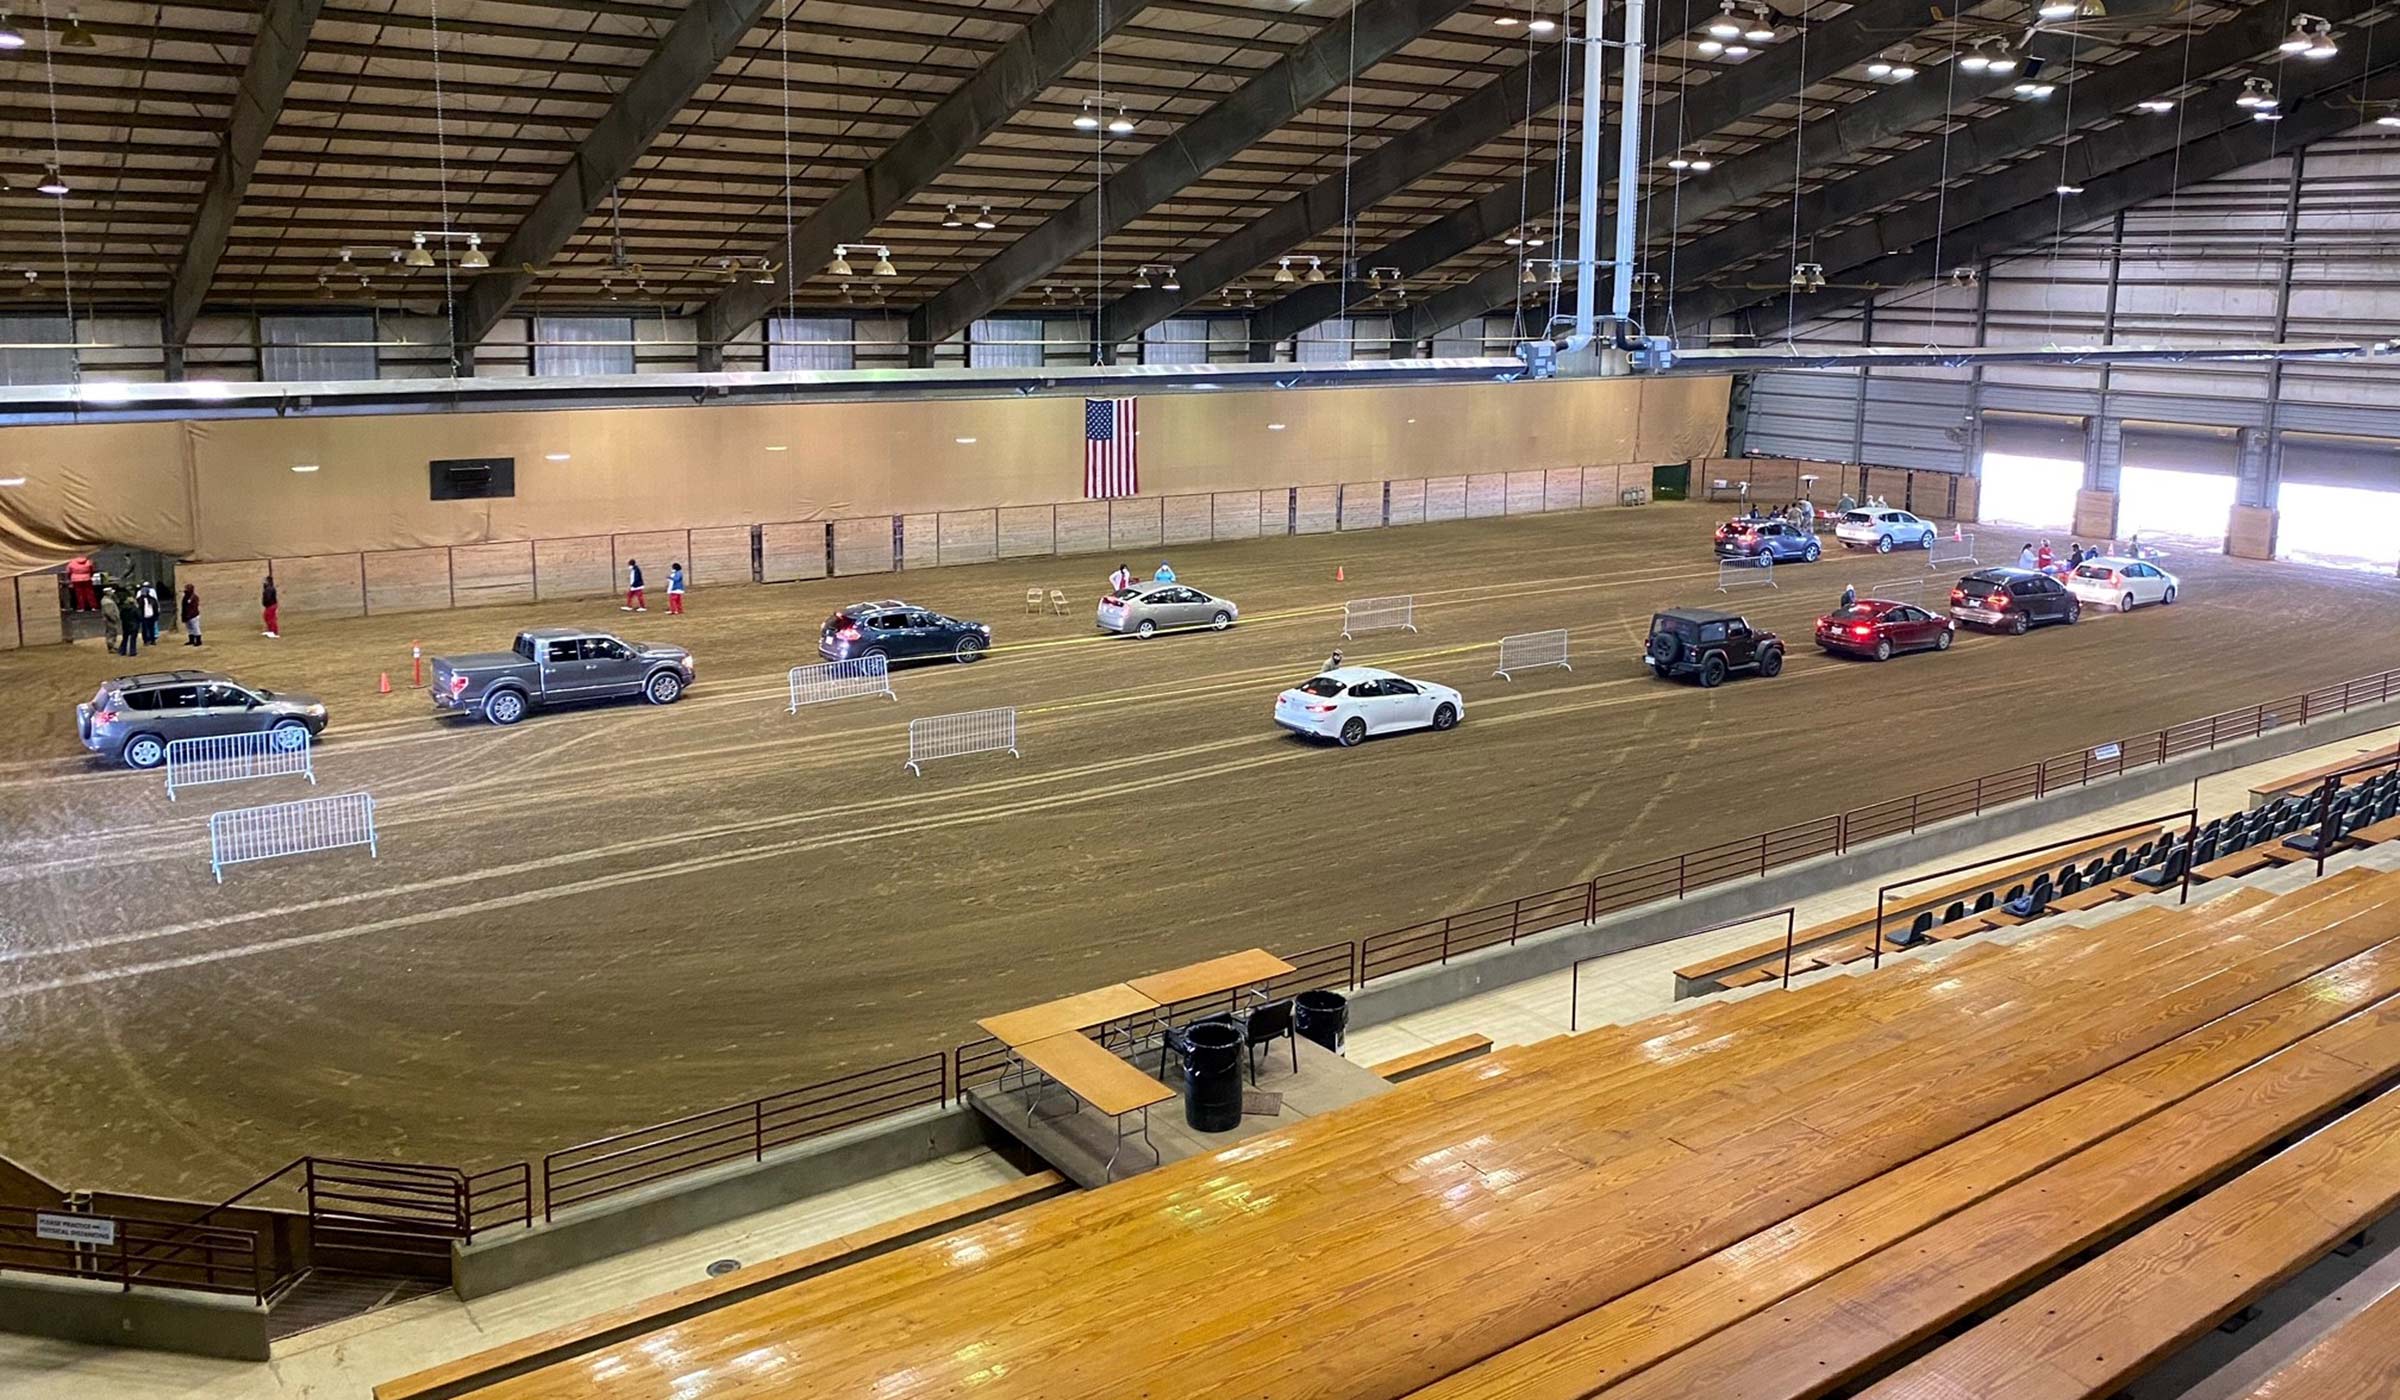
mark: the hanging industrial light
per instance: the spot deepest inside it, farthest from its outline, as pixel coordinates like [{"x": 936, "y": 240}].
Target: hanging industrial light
[
  {"x": 765, "y": 276},
  {"x": 1737, "y": 51},
  {"x": 2258, "y": 95},
  {"x": 473, "y": 259},
  {"x": 53, "y": 183},
  {"x": 883, "y": 263},
  {"x": 1558, "y": 272},
  {"x": 1141, "y": 279},
  {"x": 2067, "y": 189},
  {"x": 1761, "y": 29},
  {"x": 1541, "y": 26},
  {"x": 840, "y": 266},
  {"x": 1891, "y": 67},
  {"x": 1283, "y": 270},
  {"x": 2155, "y": 105},
  {"x": 1725, "y": 26},
  {"x": 2311, "y": 37},
  {"x": 1087, "y": 119},
  {"x": 2034, "y": 90},
  {"x": 1120, "y": 125},
  {"x": 324, "y": 287},
  {"x": 417, "y": 255},
  {"x": 1171, "y": 283},
  {"x": 1316, "y": 270},
  {"x": 2388, "y": 119},
  {"x": 11, "y": 37},
  {"x": 1710, "y": 48},
  {"x": 75, "y": 35},
  {"x": 985, "y": 220},
  {"x": 950, "y": 217},
  {"x": 1525, "y": 276},
  {"x": 2057, "y": 9}
]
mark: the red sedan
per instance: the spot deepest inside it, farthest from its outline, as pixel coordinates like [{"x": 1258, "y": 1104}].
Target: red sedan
[{"x": 1877, "y": 627}]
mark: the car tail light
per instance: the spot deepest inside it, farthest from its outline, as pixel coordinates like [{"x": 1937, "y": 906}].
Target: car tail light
[
  {"x": 848, "y": 634},
  {"x": 105, "y": 717},
  {"x": 1998, "y": 602},
  {"x": 1958, "y": 595},
  {"x": 458, "y": 685},
  {"x": 1862, "y": 630},
  {"x": 1325, "y": 709}
]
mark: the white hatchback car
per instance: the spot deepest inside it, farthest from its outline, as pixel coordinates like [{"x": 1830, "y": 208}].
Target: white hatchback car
[
  {"x": 2114, "y": 581},
  {"x": 1882, "y": 529},
  {"x": 1350, "y": 703}
]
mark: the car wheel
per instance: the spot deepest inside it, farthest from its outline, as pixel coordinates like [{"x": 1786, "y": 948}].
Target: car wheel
[
  {"x": 1666, "y": 649},
  {"x": 2167, "y": 597},
  {"x": 1445, "y": 716},
  {"x": 288, "y": 735},
  {"x": 2074, "y": 611},
  {"x": 1941, "y": 640},
  {"x": 1926, "y": 543},
  {"x": 1221, "y": 621},
  {"x": 1811, "y": 554},
  {"x": 665, "y": 688},
  {"x": 504, "y": 707},
  {"x": 2016, "y": 624},
  {"x": 1712, "y": 672},
  {"x": 1883, "y": 649},
  {"x": 1353, "y": 733},
  {"x": 1883, "y": 545},
  {"x": 2125, "y": 604},
  {"x": 1770, "y": 662},
  {"x": 1145, "y": 630},
  {"x": 144, "y": 751}
]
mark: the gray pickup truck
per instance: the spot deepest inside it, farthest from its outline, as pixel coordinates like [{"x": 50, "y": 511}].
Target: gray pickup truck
[{"x": 559, "y": 665}]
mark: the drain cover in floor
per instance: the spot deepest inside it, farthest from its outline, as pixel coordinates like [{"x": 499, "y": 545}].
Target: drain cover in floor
[{"x": 723, "y": 1267}]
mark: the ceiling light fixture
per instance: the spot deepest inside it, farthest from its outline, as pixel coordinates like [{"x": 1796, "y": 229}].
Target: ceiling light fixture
[
  {"x": 2035, "y": 90},
  {"x": 883, "y": 263},
  {"x": 1701, "y": 164},
  {"x": 11, "y": 37},
  {"x": 2388, "y": 119},
  {"x": 1725, "y": 26},
  {"x": 557, "y": 457},
  {"x": 950, "y": 217},
  {"x": 1316, "y": 270},
  {"x": 2064, "y": 190},
  {"x": 1737, "y": 51},
  {"x": 1171, "y": 283},
  {"x": 417, "y": 255},
  {"x": 964, "y": 442},
  {"x": 2311, "y": 37},
  {"x": 53, "y": 183},
  {"x": 304, "y": 468},
  {"x": 2155, "y": 105},
  {"x": 1506, "y": 22},
  {"x": 840, "y": 266},
  {"x": 1087, "y": 119},
  {"x": 1283, "y": 270},
  {"x": 1542, "y": 26},
  {"x": 985, "y": 220},
  {"x": 2057, "y": 9},
  {"x": 1141, "y": 279},
  {"x": 76, "y": 36},
  {"x": 1120, "y": 125},
  {"x": 778, "y": 447},
  {"x": 12, "y": 481},
  {"x": 765, "y": 276},
  {"x": 1881, "y": 67},
  {"x": 1710, "y": 48},
  {"x": 1761, "y": 29},
  {"x": 473, "y": 259}
]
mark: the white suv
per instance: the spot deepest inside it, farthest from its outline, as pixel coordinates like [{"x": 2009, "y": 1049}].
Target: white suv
[
  {"x": 1883, "y": 529},
  {"x": 2108, "y": 581}
]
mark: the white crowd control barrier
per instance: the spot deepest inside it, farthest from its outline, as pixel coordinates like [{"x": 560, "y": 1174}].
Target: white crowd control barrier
[
  {"x": 290, "y": 829},
  {"x": 1896, "y": 590},
  {"x": 1957, "y": 547},
  {"x": 840, "y": 680},
  {"x": 952, "y": 736},
  {"x": 232, "y": 758},
  {"x": 1746, "y": 573},
  {"x": 1379, "y": 614},
  {"x": 1528, "y": 651}
]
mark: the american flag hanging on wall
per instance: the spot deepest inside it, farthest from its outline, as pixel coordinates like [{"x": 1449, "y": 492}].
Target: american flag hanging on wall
[{"x": 1111, "y": 466}]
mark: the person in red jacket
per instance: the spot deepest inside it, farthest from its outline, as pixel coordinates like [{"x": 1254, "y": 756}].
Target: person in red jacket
[
  {"x": 267, "y": 607},
  {"x": 79, "y": 581}
]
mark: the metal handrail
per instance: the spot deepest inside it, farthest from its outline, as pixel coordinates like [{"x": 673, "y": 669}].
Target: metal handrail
[{"x": 1791, "y": 922}]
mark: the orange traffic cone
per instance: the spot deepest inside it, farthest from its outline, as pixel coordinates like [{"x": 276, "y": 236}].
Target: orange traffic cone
[
  {"x": 1337, "y": 573},
  {"x": 1958, "y": 534},
  {"x": 384, "y": 685}
]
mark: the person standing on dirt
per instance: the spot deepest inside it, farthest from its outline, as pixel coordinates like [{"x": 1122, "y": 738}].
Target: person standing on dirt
[
  {"x": 129, "y": 624},
  {"x": 675, "y": 589},
  {"x": 146, "y": 598},
  {"x": 269, "y": 610},
  {"x": 109, "y": 636},
  {"x": 79, "y": 583},
  {"x": 190, "y": 611},
  {"x": 634, "y": 602}
]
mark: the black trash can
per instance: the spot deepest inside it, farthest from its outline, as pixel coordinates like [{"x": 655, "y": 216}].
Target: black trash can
[
  {"x": 1323, "y": 1017},
  {"x": 1212, "y": 1076}
]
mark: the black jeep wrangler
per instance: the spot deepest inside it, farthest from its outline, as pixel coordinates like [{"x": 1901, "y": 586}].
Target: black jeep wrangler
[{"x": 1705, "y": 645}]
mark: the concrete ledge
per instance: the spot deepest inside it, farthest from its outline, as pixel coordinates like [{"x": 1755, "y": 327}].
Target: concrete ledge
[
  {"x": 586, "y": 1234},
  {"x": 1420, "y": 989},
  {"x": 104, "y": 1315}
]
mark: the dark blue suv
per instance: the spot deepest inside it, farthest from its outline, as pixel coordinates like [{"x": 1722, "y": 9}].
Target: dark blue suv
[
  {"x": 1772, "y": 536},
  {"x": 898, "y": 631}
]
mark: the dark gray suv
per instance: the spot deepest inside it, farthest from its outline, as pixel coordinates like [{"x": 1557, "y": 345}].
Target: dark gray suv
[{"x": 133, "y": 718}]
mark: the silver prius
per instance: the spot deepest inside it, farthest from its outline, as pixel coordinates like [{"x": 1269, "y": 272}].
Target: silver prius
[{"x": 1147, "y": 608}]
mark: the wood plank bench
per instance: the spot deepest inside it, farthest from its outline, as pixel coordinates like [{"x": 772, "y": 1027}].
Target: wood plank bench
[
  {"x": 2359, "y": 1358},
  {"x": 2247, "y": 861},
  {"x": 468, "y": 1374},
  {"x": 2377, "y": 833},
  {"x": 2307, "y": 781},
  {"x": 2106, "y": 1324},
  {"x": 1455, "y": 1050},
  {"x": 1700, "y": 978}
]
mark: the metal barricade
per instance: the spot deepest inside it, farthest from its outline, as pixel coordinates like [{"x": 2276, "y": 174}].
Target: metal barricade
[
  {"x": 1959, "y": 548},
  {"x": 232, "y": 758},
  {"x": 290, "y": 829},
  {"x": 1380, "y": 614},
  {"x": 1897, "y": 590},
  {"x": 840, "y": 680},
  {"x": 1528, "y": 651},
  {"x": 953, "y": 736},
  {"x": 1746, "y": 573}
]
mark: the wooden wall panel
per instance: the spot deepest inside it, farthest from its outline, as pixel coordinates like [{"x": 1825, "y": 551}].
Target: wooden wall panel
[
  {"x": 1083, "y": 527},
  {"x": 1362, "y": 505},
  {"x": 1187, "y": 519},
  {"x": 2096, "y": 515},
  {"x": 920, "y": 541},
  {"x": 406, "y": 580},
  {"x": 720, "y": 556},
  {"x": 1525, "y": 492},
  {"x": 2250, "y": 532},
  {"x": 793, "y": 550},
  {"x": 970, "y": 536},
  {"x": 1316, "y": 513},
  {"x": 582, "y": 567},
  {"x": 1563, "y": 489},
  {"x": 1407, "y": 503},
  {"x": 1445, "y": 499},
  {"x": 657, "y": 549},
  {"x": 320, "y": 585},
  {"x": 1237, "y": 515},
  {"x": 487, "y": 573},
  {"x": 1136, "y": 523},
  {"x": 1487, "y": 495},
  {"x": 863, "y": 546},
  {"x": 1028, "y": 530},
  {"x": 37, "y": 621}
]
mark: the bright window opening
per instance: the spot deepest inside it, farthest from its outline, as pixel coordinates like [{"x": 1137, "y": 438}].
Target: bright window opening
[
  {"x": 2035, "y": 492},
  {"x": 2186, "y": 505},
  {"x": 2338, "y": 524}
]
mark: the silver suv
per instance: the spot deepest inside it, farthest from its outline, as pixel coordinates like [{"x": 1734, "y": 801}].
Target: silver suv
[{"x": 132, "y": 718}]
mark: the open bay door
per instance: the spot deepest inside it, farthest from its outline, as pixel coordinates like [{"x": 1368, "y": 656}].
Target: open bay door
[
  {"x": 2177, "y": 482},
  {"x": 2340, "y": 500},
  {"x": 2032, "y": 466}
]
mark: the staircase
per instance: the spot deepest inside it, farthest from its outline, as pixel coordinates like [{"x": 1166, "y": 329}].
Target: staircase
[{"x": 318, "y": 1296}]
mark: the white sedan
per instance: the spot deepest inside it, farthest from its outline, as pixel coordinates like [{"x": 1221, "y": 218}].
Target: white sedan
[
  {"x": 2114, "y": 581},
  {"x": 1350, "y": 703}
]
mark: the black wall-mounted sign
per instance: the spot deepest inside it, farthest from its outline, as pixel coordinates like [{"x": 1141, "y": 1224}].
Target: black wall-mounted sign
[{"x": 474, "y": 478}]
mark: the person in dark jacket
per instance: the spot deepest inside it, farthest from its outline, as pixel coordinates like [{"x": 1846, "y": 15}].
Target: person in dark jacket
[
  {"x": 110, "y": 636},
  {"x": 1849, "y": 595},
  {"x": 190, "y": 612},
  {"x": 634, "y": 601},
  {"x": 267, "y": 607},
  {"x": 129, "y": 624},
  {"x": 146, "y": 598}
]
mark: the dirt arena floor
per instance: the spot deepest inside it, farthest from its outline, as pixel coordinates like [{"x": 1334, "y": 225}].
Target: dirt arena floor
[{"x": 612, "y": 916}]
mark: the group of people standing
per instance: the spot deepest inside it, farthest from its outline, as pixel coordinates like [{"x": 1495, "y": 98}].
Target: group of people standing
[
  {"x": 636, "y": 597},
  {"x": 129, "y": 616}
]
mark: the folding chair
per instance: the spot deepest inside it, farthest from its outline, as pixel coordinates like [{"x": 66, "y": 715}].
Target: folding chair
[
  {"x": 1058, "y": 603},
  {"x": 1033, "y": 600}
]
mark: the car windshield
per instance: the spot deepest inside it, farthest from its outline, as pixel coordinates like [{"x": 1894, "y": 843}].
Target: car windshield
[
  {"x": 2094, "y": 571},
  {"x": 1322, "y": 686}
]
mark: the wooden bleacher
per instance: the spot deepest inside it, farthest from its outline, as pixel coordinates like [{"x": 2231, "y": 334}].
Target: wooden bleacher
[
  {"x": 2308, "y": 780},
  {"x": 1848, "y": 937},
  {"x": 2359, "y": 1358},
  {"x": 1456, "y": 1050},
  {"x": 470, "y": 1374},
  {"x": 1737, "y": 1186}
]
